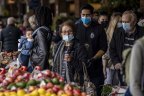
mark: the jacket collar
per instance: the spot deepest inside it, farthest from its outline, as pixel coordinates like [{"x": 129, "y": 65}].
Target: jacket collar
[{"x": 44, "y": 27}]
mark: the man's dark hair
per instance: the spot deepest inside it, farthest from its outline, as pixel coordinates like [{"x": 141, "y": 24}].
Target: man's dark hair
[
  {"x": 103, "y": 13},
  {"x": 87, "y": 6},
  {"x": 43, "y": 16}
]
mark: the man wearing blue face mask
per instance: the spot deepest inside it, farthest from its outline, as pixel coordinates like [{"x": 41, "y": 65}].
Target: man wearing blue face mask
[
  {"x": 92, "y": 34},
  {"x": 124, "y": 38}
]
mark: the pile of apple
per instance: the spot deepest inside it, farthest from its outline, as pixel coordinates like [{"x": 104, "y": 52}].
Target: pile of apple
[{"x": 37, "y": 83}]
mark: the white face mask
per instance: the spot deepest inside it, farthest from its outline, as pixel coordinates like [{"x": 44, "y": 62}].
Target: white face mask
[
  {"x": 119, "y": 25},
  {"x": 67, "y": 38},
  {"x": 126, "y": 26}
]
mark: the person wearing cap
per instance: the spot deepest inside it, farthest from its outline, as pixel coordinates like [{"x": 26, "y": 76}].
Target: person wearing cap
[{"x": 10, "y": 35}]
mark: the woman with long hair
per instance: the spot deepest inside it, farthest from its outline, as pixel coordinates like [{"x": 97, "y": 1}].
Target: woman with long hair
[
  {"x": 42, "y": 37},
  {"x": 115, "y": 22}
]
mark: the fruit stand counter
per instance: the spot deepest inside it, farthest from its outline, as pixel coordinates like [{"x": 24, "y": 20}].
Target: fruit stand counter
[{"x": 19, "y": 82}]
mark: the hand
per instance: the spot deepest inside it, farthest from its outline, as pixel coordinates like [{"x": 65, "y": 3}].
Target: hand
[
  {"x": 118, "y": 66},
  {"x": 104, "y": 72}
]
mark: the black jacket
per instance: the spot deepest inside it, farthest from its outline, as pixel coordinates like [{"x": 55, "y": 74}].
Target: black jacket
[
  {"x": 41, "y": 45},
  {"x": 10, "y": 36},
  {"x": 95, "y": 37},
  {"x": 117, "y": 43}
]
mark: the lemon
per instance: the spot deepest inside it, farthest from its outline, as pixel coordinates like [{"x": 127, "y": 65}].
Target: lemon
[
  {"x": 1, "y": 94},
  {"x": 41, "y": 91},
  {"x": 53, "y": 94},
  {"x": 7, "y": 93},
  {"x": 34, "y": 93},
  {"x": 13, "y": 93},
  {"x": 27, "y": 95},
  {"x": 42, "y": 95},
  {"x": 64, "y": 95},
  {"x": 48, "y": 94},
  {"x": 20, "y": 92}
]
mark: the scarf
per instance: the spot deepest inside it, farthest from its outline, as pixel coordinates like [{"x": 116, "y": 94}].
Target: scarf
[
  {"x": 58, "y": 58},
  {"x": 60, "y": 66}
]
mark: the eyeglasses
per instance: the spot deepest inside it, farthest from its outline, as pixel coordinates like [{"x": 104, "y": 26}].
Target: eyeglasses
[{"x": 67, "y": 32}]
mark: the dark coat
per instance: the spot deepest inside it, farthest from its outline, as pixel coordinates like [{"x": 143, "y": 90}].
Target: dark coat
[
  {"x": 10, "y": 36},
  {"x": 117, "y": 43},
  {"x": 95, "y": 37},
  {"x": 79, "y": 55},
  {"x": 41, "y": 45}
]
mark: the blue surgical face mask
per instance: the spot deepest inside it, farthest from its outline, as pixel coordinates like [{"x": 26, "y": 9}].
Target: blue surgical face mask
[
  {"x": 67, "y": 38},
  {"x": 126, "y": 26},
  {"x": 119, "y": 25},
  {"x": 86, "y": 20}
]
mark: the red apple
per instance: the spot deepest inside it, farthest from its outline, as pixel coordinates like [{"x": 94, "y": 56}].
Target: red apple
[
  {"x": 19, "y": 78},
  {"x": 49, "y": 90},
  {"x": 61, "y": 79},
  {"x": 40, "y": 75},
  {"x": 2, "y": 77},
  {"x": 68, "y": 87},
  {"x": 38, "y": 68},
  {"x": 2, "y": 71},
  {"x": 83, "y": 94},
  {"x": 47, "y": 73},
  {"x": 44, "y": 87},
  {"x": 5, "y": 82},
  {"x": 69, "y": 92},
  {"x": 49, "y": 85},
  {"x": 26, "y": 75},
  {"x": 9, "y": 79},
  {"x": 23, "y": 68},
  {"x": 60, "y": 92},
  {"x": 76, "y": 92},
  {"x": 53, "y": 74},
  {"x": 55, "y": 89},
  {"x": 17, "y": 72},
  {"x": 57, "y": 75}
]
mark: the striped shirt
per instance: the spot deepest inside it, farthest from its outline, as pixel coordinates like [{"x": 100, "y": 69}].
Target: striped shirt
[{"x": 129, "y": 40}]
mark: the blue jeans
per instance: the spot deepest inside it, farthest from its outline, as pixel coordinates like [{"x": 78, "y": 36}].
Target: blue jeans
[{"x": 24, "y": 59}]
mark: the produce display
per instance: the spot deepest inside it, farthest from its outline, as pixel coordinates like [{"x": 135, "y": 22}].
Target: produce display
[
  {"x": 7, "y": 57},
  {"x": 19, "y": 82}
]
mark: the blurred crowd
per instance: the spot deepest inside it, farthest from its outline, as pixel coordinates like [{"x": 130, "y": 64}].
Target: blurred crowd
[{"x": 110, "y": 45}]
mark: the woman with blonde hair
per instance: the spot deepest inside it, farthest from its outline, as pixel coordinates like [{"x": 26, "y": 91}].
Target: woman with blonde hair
[{"x": 115, "y": 22}]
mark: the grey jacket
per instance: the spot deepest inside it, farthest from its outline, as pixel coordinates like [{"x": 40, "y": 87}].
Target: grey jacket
[{"x": 137, "y": 68}]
